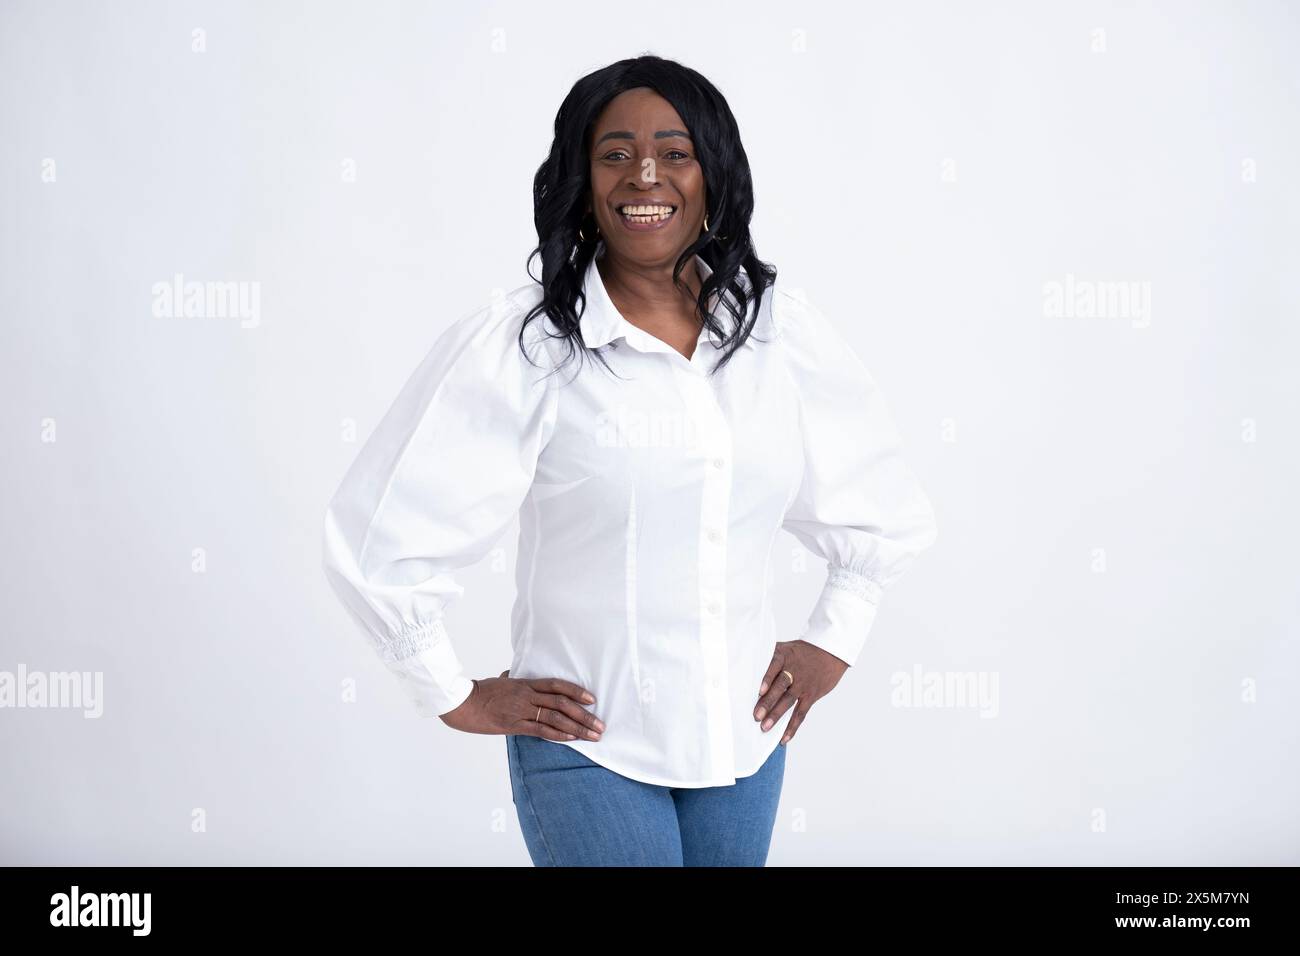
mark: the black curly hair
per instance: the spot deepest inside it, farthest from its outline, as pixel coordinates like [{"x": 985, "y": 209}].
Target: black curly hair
[{"x": 562, "y": 188}]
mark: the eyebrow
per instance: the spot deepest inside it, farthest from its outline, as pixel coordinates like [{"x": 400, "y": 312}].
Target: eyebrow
[{"x": 628, "y": 134}]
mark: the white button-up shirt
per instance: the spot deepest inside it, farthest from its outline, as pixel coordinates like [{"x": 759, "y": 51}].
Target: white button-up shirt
[{"x": 648, "y": 505}]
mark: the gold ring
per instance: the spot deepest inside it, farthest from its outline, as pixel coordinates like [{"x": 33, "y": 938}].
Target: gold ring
[{"x": 789, "y": 675}]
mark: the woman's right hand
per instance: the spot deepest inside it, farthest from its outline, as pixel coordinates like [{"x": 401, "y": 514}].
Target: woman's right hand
[{"x": 509, "y": 705}]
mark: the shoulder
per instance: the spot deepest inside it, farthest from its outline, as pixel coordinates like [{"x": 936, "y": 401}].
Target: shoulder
[
  {"x": 495, "y": 336},
  {"x": 796, "y": 320},
  {"x": 816, "y": 348}
]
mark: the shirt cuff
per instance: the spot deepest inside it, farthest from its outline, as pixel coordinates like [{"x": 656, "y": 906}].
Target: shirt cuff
[
  {"x": 844, "y": 613},
  {"x": 431, "y": 674}
]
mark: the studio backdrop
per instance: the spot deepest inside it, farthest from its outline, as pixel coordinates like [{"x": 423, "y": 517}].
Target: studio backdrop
[{"x": 1063, "y": 238}]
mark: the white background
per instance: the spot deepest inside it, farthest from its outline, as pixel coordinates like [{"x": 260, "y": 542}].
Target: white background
[{"x": 1146, "y": 713}]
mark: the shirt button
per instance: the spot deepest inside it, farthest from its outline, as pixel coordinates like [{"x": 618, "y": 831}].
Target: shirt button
[
  {"x": 719, "y": 463},
  {"x": 717, "y": 682},
  {"x": 714, "y": 537},
  {"x": 712, "y": 608}
]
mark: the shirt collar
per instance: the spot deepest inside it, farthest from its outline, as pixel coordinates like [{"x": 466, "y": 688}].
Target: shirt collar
[{"x": 602, "y": 323}]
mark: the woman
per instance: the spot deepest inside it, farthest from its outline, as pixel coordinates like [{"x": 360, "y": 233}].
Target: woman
[{"x": 654, "y": 409}]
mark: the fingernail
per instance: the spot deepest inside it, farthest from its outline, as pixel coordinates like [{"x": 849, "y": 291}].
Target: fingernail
[
  {"x": 593, "y": 735},
  {"x": 767, "y": 725},
  {"x": 758, "y": 714},
  {"x": 588, "y": 699},
  {"x": 762, "y": 688},
  {"x": 785, "y": 740},
  {"x": 600, "y": 725}
]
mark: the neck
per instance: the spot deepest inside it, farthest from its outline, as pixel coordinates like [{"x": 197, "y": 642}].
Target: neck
[{"x": 649, "y": 286}]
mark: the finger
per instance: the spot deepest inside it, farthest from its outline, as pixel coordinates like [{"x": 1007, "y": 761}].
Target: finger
[
  {"x": 774, "y": 668},
  {"x": 795, "y": 720},
  {"x": 782, "y": 705},
  {"x": 578, "y": 715},
  {"x": 780, "y": 686},
  {"x": 555, "y": 685},
  {"x": 556, "y": 721},
  {"x": 534, "y": 729}
]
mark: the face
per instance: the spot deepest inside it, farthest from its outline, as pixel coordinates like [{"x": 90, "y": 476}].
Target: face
[{"x": 642, "y": 156}]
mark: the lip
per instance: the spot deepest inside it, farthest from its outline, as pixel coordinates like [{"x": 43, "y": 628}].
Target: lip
[{"x": 646, "y": 226}]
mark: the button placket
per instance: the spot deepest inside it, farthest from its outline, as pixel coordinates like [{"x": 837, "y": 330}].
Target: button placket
[{"x": 715, "y": 501}]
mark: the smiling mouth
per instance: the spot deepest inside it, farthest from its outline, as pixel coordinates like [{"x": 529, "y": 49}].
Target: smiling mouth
[{"x": 646, "y": 214}]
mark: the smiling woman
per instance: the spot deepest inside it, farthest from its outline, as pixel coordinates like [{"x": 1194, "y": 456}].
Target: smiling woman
[
  {"x": 647, "y": 168},
  {"x": 653, "y": 208},
  {"x": 649, "y": 695}
]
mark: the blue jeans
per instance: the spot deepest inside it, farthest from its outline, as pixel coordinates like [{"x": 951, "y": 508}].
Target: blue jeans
[{"x": 574, "y": 812}]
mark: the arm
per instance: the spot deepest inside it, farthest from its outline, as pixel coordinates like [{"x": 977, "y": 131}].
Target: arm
[
  {"x": 859, "y": 507},
  {"x": 432, "y": 490}
]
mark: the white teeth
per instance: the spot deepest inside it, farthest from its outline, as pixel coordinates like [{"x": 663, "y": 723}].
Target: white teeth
[{"x": 646, "y": 213}]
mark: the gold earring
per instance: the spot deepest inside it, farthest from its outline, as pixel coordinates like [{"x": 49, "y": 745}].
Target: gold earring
[{"x": 706, "y": 222}]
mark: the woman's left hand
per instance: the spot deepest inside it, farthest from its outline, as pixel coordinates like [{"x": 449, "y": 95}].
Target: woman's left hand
[{"x": 815, "y": 671}]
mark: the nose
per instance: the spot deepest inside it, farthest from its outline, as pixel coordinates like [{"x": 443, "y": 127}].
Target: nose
[{"x": 647, "y": 175}]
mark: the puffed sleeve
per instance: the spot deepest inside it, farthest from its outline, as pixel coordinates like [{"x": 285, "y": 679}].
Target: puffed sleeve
[
  {"x": 433, "y": 488},
  {"x": 859, "y": 506}
]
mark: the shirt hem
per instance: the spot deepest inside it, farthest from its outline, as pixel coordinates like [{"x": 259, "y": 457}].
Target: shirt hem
[{"x": 777, "y": 731}]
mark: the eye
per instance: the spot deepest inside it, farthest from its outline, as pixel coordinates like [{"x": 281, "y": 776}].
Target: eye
[
  {"x": 679, "y": 153},
  {"x": 617, "y": 152}
]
